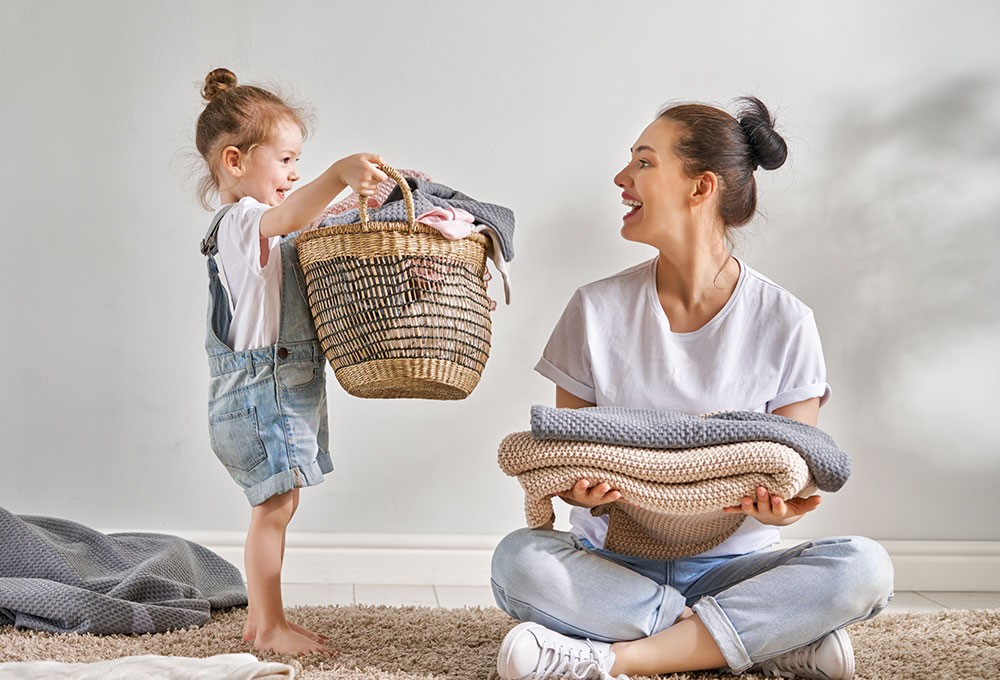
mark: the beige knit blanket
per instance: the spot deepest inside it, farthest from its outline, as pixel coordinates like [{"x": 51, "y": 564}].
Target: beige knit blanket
[{"x": 672, "y": 499}]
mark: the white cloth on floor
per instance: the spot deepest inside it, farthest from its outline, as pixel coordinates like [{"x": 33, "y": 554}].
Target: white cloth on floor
[{"x": 152, "y": 667}]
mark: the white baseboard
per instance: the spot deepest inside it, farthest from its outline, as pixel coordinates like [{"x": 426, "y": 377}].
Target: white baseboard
[{"x": 464, "y": 560}]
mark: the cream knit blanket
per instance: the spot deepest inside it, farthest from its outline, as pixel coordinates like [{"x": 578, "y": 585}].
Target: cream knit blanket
[{"x": 672, "y": 500}]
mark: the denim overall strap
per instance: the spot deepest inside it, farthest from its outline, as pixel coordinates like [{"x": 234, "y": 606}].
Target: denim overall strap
[
  {"x": 208, "y": 245},
  {"x": 220, "y": 316}
]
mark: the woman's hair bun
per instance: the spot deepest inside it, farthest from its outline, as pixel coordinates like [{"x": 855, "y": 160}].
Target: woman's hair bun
[
  {"x": 767, "y": 148},
  {"x": 217, "y": 82}
]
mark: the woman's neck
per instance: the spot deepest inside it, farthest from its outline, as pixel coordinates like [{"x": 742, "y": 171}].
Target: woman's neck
[
  {"x": 694, "y": 284},
  {"x": 696, "y": 268}
]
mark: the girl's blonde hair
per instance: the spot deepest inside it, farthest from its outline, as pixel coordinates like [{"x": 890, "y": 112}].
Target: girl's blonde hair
[{"x": 244, "y": 116}]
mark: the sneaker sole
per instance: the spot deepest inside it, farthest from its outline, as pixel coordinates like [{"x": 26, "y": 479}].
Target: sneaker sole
[
  {"x": 503, "y": 656},
  {"x": 846, "y": 648}
]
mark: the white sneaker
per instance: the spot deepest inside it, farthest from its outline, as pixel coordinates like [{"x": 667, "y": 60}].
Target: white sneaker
[
  {"x": 829, "y": 658},
  {"x": 532, "y": 651}
]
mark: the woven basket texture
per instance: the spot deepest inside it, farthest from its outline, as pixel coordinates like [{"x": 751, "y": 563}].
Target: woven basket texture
[{"x": 400, "y": 311}]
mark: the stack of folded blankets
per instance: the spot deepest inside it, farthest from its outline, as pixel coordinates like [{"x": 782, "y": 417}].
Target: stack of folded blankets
[{"x": 676, "y": 472}]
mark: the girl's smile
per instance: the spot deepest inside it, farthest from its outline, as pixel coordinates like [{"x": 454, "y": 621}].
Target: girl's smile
[{"x": 269, "y": 171}]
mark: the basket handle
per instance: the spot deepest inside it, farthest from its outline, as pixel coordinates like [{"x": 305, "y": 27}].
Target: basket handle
[{"x": 411, "y": 219}]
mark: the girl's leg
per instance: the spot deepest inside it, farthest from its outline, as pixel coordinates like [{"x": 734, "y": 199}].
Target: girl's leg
[
  {"x": 262, "y": 558},
  {"x": 250, "y": 630},
  {"x": 549, "y": 577}
]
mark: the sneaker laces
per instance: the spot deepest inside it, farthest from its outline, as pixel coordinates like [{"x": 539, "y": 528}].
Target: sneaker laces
[
  {"x": 787, "y": 665},
  {"x": 571, "y": 663},
  {"x": 584, "y": 670}
]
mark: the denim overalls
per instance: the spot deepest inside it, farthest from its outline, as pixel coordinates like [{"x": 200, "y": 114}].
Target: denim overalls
[{"x": 267, "y": 407}]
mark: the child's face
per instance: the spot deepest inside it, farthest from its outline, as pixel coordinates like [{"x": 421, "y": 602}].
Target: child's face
[{"x": 270, "y": 170}]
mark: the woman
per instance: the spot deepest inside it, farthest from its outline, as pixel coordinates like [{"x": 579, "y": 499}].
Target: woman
[{"x": 692, "y": 330}]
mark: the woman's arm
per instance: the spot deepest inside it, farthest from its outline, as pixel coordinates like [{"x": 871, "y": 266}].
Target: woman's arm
[
  {"x": 774, "y": 510},
  {"x": 803, "y": 411},
  {"x": 566, "y": 399}
]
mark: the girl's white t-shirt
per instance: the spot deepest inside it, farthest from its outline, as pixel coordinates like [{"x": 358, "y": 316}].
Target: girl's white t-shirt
[
  {"x": 613, "y": 347},
  {"x": 254, "y": 291}
]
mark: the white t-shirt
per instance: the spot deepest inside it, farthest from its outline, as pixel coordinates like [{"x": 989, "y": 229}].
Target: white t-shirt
[
  {"x": 254, "y": 291},
  {"x": 613, "y": 347}
]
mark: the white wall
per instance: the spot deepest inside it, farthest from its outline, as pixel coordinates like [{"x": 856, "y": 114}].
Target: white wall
[{"x": 885, "y": 221}]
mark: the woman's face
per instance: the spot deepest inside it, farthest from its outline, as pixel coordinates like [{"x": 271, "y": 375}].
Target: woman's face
[{"x": 654, "y": 186}]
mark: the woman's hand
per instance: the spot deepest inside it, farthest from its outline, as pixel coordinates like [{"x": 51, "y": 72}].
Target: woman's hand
[
  {"x": 587, "y": 495},
  {"x": 773, "y": 510}
]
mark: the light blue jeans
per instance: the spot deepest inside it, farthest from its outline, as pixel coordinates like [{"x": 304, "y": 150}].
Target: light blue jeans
[{"x": 756, "y": 606}]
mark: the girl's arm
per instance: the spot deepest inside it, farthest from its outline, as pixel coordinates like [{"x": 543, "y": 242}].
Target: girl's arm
[{"x": 360, "y": 172}]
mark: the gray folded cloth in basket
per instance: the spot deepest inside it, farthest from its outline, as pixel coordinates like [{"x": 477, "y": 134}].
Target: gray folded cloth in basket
[{"x": 428, "y": 195}]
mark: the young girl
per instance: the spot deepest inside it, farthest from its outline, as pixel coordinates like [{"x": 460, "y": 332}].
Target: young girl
[
  {"x": 267, "y": 392},
  {"x": 692, "y": 330}
]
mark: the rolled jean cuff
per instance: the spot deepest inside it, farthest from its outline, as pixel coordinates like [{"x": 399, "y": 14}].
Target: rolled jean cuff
[
  {"x": 721, "y": 629},
  {"x": 670, "y": 609}
]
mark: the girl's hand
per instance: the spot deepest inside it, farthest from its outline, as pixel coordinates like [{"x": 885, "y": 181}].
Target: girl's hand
[
  {"x": 773, "y": 510},
  {"x": 361, "y": 172},
  {"x": 587, "y": 495}
]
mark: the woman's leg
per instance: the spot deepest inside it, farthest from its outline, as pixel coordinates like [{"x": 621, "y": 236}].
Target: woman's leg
[
  {"x": 550, "y": 578},
  {"x": 761, "y": 605},
  {"x": 749, "y": 608}
]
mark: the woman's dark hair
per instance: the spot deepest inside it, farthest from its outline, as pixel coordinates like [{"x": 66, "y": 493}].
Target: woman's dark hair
[{"x": 711, "y": 140}]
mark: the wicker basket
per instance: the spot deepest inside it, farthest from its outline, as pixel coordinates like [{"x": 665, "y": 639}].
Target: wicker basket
[{"x": 400, "y": 311}]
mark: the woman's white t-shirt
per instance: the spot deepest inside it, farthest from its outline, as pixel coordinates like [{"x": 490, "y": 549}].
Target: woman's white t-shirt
[
  {"x": 613, "y": 347},
  {"x": 254, "y": 291}
]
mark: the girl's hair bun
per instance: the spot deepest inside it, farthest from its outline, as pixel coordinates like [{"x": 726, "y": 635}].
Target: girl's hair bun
[
  {"x": 767, "y": 148},
  {"x": 217, "y": 82}
]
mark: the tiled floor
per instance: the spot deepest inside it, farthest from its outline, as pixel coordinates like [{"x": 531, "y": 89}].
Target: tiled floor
[{"x": 296, "y": 594}]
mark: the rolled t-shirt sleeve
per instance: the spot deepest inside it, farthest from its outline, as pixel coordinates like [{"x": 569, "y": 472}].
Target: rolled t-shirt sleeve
[
  {"x": 566, "y": 357},
  {"x": 804, "y": 371}
]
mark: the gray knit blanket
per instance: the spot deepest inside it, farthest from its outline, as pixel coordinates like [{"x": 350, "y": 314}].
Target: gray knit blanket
[
  {"x": 428, "y": 195},
  {"x": 829, "y": 466},
  {"x": 62, "y": 577}
]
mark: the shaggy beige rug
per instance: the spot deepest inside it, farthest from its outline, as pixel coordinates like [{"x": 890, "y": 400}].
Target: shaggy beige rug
[{"x": 408, "y": 643}]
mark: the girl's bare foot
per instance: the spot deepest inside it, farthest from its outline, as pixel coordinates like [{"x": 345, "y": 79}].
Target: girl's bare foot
[
  {"x": 284, "y": 640},
  {"x": 312, "y": 635},
  {"x": 249, "y": 634},
  {"x": 250, "y": 630}
]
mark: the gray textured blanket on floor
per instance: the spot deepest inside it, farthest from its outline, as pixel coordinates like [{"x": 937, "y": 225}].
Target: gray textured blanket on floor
[{"x": 62, "y": 577}]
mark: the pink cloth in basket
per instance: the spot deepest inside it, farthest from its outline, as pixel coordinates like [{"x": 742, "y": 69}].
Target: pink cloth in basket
[{"x": 453, "y": 223}]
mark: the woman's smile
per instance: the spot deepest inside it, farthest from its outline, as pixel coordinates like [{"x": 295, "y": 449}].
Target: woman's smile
[{"x": 634, "y": 204}]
